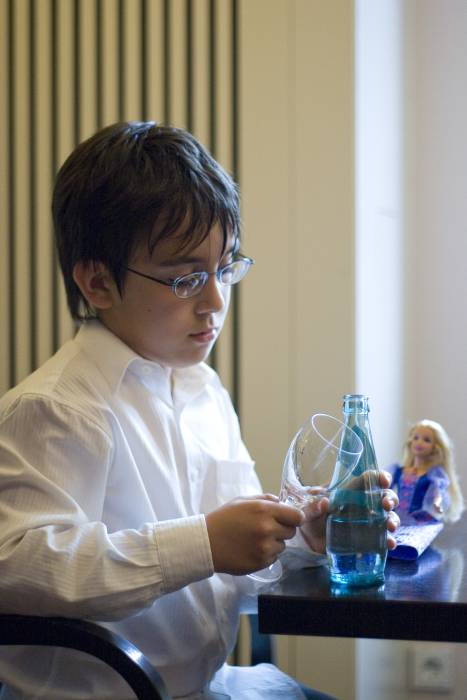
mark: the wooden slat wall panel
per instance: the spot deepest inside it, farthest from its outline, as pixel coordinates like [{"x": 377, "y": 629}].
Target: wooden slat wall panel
[
  {"x": 66, "y": 125},
  {"x": 4, "y": 198},
  {"x": 108, "y": 51},
  {"x": 87, "y": 62},
  {"x": 67, "y": 68},
  {"x": 200, "y": 70},
  {"x": 154, "y": 93},
  {"x": 131, "y": 60},
  {"x": 221, "y": 109},
  {"x": 43, "y": 173},
  {"x": 177, "y": 63},
  {"x": 21, "y": 205}
]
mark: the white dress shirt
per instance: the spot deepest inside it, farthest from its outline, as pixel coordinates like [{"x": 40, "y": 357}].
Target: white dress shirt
[{"x": 107, "y": 464}]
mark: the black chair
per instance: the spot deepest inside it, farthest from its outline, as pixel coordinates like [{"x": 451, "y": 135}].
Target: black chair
[
  {"x": 92, "y": 639},
  {"x": 111, "y": 648}
]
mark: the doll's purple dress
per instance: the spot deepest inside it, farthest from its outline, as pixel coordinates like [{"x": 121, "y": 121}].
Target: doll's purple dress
[{"x": 419, "y": 518}]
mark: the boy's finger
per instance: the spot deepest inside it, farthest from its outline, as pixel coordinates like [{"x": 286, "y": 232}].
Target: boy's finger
[
  {"x": 287, "y": 533},
  {"x": 393, "y": 521},
  {"x": 267, "y": 497},
  {"x": 288, "y": 515},
  {"x": 316, "y": 509},
  {"x": 390, "y": 499},
  {"x": 385, "y": 478}
]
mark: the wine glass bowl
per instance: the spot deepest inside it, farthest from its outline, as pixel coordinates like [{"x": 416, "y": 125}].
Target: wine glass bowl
[{"x": 321, "y": 457}]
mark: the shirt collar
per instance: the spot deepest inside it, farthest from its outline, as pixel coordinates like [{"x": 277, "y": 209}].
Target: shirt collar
[
  {"x": 110, "y": 355},
  {"x": 189, "y": 382},
  {"x": 114, "y": 359}
]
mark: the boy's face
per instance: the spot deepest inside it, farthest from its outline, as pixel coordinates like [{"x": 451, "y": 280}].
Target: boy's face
[{"x": 156, "y": 324}]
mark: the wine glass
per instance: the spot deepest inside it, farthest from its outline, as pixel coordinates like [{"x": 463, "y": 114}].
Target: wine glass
[{"x": 321, "y": 457}]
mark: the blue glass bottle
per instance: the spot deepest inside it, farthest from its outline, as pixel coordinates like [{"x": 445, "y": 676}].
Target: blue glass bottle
[{"x": 356, "y": 527}]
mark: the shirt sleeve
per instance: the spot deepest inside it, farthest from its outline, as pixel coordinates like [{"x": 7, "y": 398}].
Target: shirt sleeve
[{"x": 56, "y": 555}]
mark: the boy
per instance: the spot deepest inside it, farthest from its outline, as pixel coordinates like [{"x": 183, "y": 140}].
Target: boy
[{"x": 127, "y": 493}]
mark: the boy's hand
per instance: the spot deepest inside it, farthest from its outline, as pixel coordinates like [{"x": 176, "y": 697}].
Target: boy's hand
[
  {"x": 247, "y": 534},
  {"x": 314, "y": 527}
]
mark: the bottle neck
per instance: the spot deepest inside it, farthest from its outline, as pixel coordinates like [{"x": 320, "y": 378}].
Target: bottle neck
[
  {"x": 356, "y": 405},
  {"x": 360, "y": 419},
  {"x": 356, "y": 410}
]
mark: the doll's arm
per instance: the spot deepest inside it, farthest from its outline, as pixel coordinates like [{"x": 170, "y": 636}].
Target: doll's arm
[{"x": 437, "y": 499}]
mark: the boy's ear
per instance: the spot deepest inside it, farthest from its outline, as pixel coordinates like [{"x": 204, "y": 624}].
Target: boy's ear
[{"x": 96, "y": 284}]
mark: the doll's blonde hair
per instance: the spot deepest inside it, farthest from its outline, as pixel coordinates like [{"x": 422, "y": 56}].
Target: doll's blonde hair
[{"x": 443, "y": 456}]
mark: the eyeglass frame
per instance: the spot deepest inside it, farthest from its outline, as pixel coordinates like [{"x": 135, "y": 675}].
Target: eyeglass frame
[{"x": 203, "y": 273}]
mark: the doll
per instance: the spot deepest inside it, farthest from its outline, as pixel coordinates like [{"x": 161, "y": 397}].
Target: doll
[{"x": 426, "y": 481}]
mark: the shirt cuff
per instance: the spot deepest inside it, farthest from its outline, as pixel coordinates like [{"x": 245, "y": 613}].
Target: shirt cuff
[{"x": 184, "y": 551}]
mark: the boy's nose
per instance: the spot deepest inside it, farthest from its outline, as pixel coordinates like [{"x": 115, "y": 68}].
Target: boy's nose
[{"x": 212, "y": 297}]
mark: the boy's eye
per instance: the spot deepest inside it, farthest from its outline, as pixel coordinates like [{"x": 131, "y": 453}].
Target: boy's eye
[
  {"x": 228, "y": 260},
  {"x": 189, "y": 283}
]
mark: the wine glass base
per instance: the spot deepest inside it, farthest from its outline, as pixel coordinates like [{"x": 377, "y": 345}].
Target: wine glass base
[{"x": 269, "y": 574}]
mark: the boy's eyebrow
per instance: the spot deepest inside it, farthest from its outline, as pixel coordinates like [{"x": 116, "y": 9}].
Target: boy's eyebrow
[
  {"x": 173, "y": 262},
  {"x": 193, "y": 259}
]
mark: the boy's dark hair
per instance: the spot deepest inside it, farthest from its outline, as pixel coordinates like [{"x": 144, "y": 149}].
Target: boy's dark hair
[{"x": 133, "y": 182}]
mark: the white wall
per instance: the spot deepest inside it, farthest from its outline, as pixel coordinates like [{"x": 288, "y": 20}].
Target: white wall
[
  {"x": 437, "y": 285},
  {"x": 437, "y": 259},
  {"x": 432, "y": 254},
  {"x": 379, "y": 213},
  {"x": 297, "y": 182}
]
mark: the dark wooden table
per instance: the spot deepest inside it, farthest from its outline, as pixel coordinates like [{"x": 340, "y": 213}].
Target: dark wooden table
[{"x": 421, "y": 600}]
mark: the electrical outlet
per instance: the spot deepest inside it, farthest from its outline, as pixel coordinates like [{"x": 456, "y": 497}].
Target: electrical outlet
[{"x": 431, "y": 668}]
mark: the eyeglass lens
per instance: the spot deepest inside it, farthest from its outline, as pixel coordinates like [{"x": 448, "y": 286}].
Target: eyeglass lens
[{"x": 230, "y": 274}]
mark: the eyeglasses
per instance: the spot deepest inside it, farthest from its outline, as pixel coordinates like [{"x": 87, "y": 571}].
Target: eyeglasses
[{"x": 188, "y": 286}]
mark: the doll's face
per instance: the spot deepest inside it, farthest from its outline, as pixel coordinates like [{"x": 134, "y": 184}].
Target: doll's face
[{"x": 422, "y": 444}]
